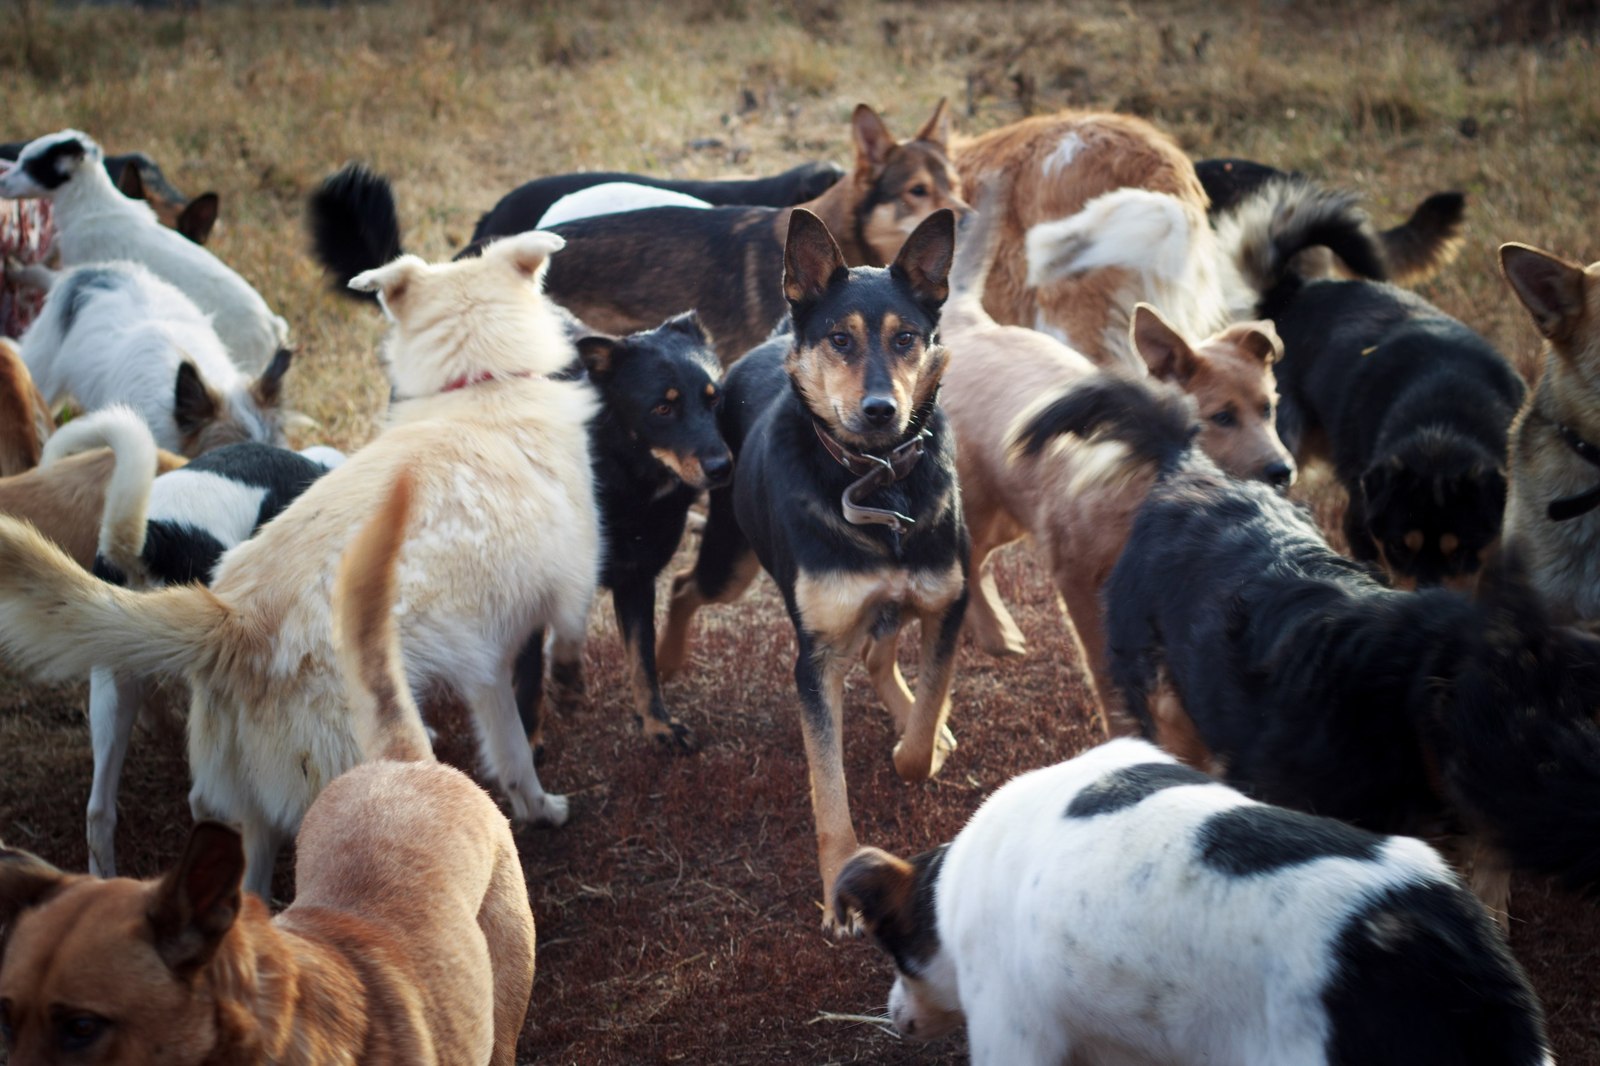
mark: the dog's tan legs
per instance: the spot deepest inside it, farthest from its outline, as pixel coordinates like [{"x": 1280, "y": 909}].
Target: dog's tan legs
[
  {"x": 884, "y": 665},
  {"x": 113, "y": 707},
  {"x": 510, "y": 760},
  {"x": 1490, "y": 880},
  {"x": 1086, "y": 630},
  {"x": 688, "y": 596},
  {"x": 993, "y": 628},
  {"x": 928, "y": 741}
]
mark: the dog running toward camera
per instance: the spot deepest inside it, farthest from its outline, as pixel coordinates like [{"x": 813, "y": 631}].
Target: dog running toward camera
[
  {"x": 410, "y": 938},
  {"x": 844, "y": 490},
  {"x": 1122, "y": 908},
  {"x": 1553, "y": 511},
  {"x": 504, "y": 540},
  {"x": 656, "y": 447}
]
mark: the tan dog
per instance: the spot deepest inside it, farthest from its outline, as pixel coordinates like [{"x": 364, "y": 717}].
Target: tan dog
[
  {"x": 64, "y": 498},
  {"x": 505, "y": 540},
  {"x": 410, "y": 939},
  {"x": 1077, "y": 502},
  {"x": 25, "y": 419},
  {"x": 1552, "y": 521}
]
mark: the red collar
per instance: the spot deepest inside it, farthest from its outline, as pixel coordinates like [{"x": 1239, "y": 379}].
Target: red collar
[{"x": 485, "y": 375}]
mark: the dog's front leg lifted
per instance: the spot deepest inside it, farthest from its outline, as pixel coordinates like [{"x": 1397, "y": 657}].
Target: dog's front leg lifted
[
  {"x": 928, "y": 741},
  {"x": 635, "y": 603},
  {"x": 819, "y": 671}
]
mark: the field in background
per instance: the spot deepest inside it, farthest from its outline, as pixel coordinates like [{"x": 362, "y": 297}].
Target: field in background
[{"x": 676, "y": 912}]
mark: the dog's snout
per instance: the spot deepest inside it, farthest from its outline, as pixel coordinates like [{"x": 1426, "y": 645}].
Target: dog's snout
[
  {"x": 718, "y": 470},
  {"x": 1280, "y": 475},
  {"x": 878, "y": 409}
]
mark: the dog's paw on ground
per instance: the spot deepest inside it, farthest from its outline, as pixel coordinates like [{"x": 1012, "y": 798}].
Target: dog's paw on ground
[{"x": 671, "y": 736}]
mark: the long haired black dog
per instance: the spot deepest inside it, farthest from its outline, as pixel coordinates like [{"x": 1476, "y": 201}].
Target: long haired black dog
[{"x": 1313, "y": 685}]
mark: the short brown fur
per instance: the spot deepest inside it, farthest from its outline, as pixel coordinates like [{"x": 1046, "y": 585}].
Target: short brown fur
[{"x": 25, "y": 419}]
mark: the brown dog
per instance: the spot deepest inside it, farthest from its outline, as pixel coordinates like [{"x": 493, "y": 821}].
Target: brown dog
[
  {"x": 25, "y": 419},
  {"x": 1077, "y": 501},
  {"x": 410, "y": 939},
  {"x": 1553, "y": 507}
]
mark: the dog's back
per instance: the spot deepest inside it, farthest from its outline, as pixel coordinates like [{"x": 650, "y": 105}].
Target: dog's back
[{"x": 1121, "y": 904}]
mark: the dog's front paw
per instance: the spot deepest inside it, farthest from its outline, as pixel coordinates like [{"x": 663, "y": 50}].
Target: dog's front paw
[
  {"x": 921, "y": 765},
  {"x": 552, "y": 810},
  {"x": 671, "y": 735}
]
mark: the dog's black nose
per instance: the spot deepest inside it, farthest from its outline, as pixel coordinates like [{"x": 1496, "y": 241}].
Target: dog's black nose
[
  {"x": 878, "y": 409},
  {"x": 1279, "y": 475},
  {"x": 718, "y": 470}
]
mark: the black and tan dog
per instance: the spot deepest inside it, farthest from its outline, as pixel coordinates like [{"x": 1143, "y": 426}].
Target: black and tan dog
[
  {"x": 845, "y": 491},
  {"x": 1412, "y": 409},
  {"x": 723, "y": 262},
  {"x": 655, "y": 446}
]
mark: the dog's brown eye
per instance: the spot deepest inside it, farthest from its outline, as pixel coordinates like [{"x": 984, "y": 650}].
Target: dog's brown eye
[
  {"x": 1224, "y": 418},
  {"x": 76, "y": 1032},
  {"x": 840, "y": 341},
  {"x": 661, "y": 410},
  {"x": 904, "y": 339},
  {"x": 919, "y": 191}
]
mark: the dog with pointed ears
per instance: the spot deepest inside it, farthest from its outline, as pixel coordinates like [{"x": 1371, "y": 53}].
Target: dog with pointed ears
[
  {"x": 410, "y": 938},
  {"x": 844, "y": 490},
  {"x": 1552, "y": 516}
]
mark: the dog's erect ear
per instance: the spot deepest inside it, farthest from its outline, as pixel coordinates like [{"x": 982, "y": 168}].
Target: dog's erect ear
[
  {"x": 690, "y": 326},
  {"x": 526, "y": 253},
  {"x": 1551, "y": 288},
  {"x": 391, "y": 281},
  {"x": 598, "y": 355},
  {"x": 1259, "y": 338},
  {"x": 924, "y": 260},
  {"x": 193, "y": 404},
  {"x": 811, "y": 258},
  {"x": 877, "y": 885},
  {"x": 196, "y": 903},
  {"x": 25, "y": 881},
  {"x": 198, "y": 217},
  {"x": 267, "y": 389},
  {"x": 130, "y": 182},
  {"x": 873, "y": 140},
  {"x": 1162, "y": 348},
  {"x": 937, "y": 129}
]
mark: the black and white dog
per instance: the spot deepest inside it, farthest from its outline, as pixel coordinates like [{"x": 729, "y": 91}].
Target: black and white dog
[{"x": 1121, "y": 908}]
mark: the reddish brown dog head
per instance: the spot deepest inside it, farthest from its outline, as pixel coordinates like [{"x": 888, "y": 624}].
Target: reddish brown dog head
[
  {"x": 98, "y": 971},
  {"x": 1230, "y": 376},
  {"x": 899, "y": 184}
]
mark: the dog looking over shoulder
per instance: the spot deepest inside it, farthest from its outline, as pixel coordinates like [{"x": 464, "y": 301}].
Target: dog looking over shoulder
[
  {"x": 504, "y": 540},
  {"x": 410, "y": 938},
  {"x": 1552, "y": 520},
  {"x": 96, "y": 223},
  {"x": 1121, "y": 908},
  {"x": 116, "y": 333}
]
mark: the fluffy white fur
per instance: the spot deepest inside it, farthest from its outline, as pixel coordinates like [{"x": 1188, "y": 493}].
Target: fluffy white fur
[
  {"x": 608, "y": 198},
  {"x": 115, "y": 333},
  {"x": 1103, "y": 939},
  {"x": 503, "y": 538},
  {"x": 1180, "y": 265},
  {"x": 95, "y": 223}
]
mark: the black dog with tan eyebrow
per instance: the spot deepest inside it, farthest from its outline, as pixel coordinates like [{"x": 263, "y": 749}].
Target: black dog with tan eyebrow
[
  {"x": 845, "y": 491},
  {"x": 655, "y": 447}
]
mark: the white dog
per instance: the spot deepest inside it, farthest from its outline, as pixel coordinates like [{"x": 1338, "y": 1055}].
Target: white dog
[
  {"x": 1121, "y": 908},
  {"x": 95, "y": 223},
  {"x": 116, "y": 333},
  {"x": 504, "y": 539}
]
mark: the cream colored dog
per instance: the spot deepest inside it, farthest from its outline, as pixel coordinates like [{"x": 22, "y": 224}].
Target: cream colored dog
[{"x": 504, "y": 540}]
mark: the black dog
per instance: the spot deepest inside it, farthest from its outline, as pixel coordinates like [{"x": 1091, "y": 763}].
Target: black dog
[
  {"x": 845, "y": 491},
  {"x": 655, "y": 447},
  {"x": 1415, "y": 250},
  {"x": 1412, "y": 408},
  {"x": 1241, "y": 640},
  {"x": 521, "y": 209}
]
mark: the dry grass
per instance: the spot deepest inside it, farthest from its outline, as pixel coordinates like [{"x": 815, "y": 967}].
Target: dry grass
[{"x": 677, "y": 912}]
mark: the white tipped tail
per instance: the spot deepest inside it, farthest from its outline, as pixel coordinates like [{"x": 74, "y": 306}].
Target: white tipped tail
[
  {"x": 122, "y": 519},
  {"x": 1131, "y": 229},
  {"x": 385, "y": 716}
]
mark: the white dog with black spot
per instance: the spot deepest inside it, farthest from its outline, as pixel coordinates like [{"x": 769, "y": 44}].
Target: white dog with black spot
[{"x": 1121, "y": 908}]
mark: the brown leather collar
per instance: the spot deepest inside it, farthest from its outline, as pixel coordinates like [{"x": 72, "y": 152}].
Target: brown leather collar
[{"x": 872, "y": 473}]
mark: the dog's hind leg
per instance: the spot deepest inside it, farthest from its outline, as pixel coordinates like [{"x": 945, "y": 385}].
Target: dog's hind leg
[
  {"x": 927, "y": 740},
  {"x": 113, "y": 707},
  {"x": 528, "y": 680},
  {"x": 883, "y": 663},
  {"x": 507, "y": 925},
  {"x": 995, "y": 631},
  {"x": 722, "y": 571},
  {"x": 635, "y": 603},
  {"x": 506, "y": 751}
]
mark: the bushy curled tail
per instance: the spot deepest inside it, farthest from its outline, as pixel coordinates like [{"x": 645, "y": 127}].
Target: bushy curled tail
[
  {"x": 1155, "y": 421},
  {"x": 354, "y": 225},
  {"x": 122, "y": 519},
  {"x": 387, "y": 722}
]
